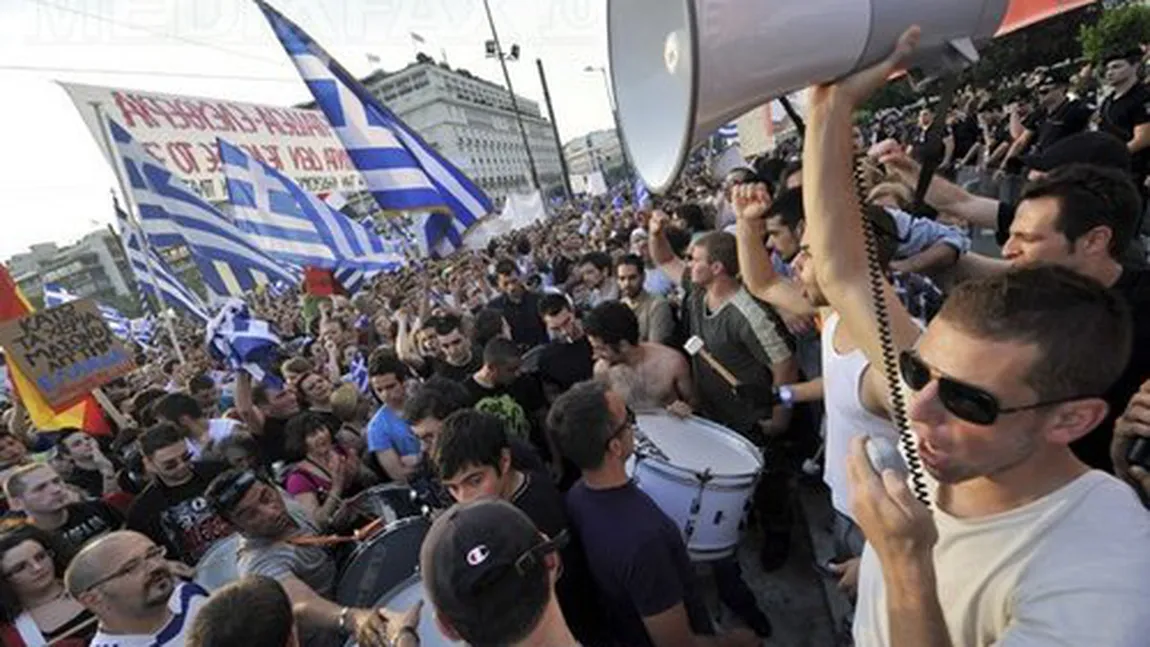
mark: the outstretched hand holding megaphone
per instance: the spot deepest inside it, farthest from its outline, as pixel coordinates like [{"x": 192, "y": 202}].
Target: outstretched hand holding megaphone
[
  {"x": 898, "y": 527},
  {"x": 852, "y": 90}
]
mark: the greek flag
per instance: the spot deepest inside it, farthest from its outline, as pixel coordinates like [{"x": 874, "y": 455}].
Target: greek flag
[
  {"x": 242, "y": 342},
  {"x": 642, "y": 194},
  {"x": 728, "y": 132},
  {"x": 142, "y": 330},
  {"x": 295, "y": 226},
  {"x": 146, "y": 263},
  {"x": 358, "y": 374},
  {"x": 120, "y": 326},
  {"x": 172, "y": 214},
  {"x": 400, "y": 169}
]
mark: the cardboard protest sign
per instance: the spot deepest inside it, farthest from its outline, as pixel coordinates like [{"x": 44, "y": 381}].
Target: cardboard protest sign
[{"x": 66, "y": 351}]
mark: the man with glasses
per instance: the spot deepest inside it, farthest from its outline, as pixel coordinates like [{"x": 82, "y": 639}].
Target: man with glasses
[
  {"x": 171, "y": 510},
  {"x": 124, "y": 580},
  {"x": 1024, "y": 544},
  {"x": 1058, "y": 116},
  {"x": 635, "y": 552},
  {"x": 279, "y": 541}
]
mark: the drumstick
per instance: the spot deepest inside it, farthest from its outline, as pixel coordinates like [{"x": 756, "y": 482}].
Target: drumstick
[{"x": 695, "y": 346}]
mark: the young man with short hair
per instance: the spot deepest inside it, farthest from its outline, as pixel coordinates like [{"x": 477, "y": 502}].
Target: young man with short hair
[
  {"x": 566, "y": 360},
  {"x": 171, "y": 510},
  {"x": 490, "y": 576},
  {"x": 656, "y": 319},
  {"x": 395, "y": 449},
  {"x": 635, "y": 552},
  {"x": 91, "y": 470},
  {"x": 185, "y": 411},
  {"x": 267, "y": 620},
  {"x": 39, "y": 492},
  {"x": 996, "y": 395},
  {"x": 519, "y": 306}
]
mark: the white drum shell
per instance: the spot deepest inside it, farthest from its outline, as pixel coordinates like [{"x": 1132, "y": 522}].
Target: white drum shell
[{"x": 704, "y": 484}]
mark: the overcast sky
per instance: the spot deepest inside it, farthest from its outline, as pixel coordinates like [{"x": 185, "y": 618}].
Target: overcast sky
[{"x": 55, "y": 184}]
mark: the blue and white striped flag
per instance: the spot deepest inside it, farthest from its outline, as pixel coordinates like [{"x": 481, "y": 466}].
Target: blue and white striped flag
[
  {"x": 55, "y": 295},
  {"x": 146, "y": 263},
  {"x": 296, "y": 226},
  {"x": 642, "y": 194},
  {"x": 358, "y": 373},
  {"x": 244, "y": 343},
  {"x": 728, "y": 132},
  {"x": 143, "y": 330},
  {"x": 400, "y": 169},
  {"x": 172, "y": 214}
]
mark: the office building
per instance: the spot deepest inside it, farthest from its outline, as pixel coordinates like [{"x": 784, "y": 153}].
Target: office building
[{"x": 94, "y": 266}]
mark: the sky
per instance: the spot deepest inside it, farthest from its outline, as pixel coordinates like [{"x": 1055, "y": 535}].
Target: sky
[{"x": 55, "y": 183}]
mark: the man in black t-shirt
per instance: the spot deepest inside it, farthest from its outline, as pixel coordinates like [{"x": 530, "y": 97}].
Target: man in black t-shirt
[
  {"x": 474, "y": 459},
  {"x": 519, "y": 306},
  {"x": 459, "y": 360},
  {"x": 265, "y": 411},
  {"x": 634, "y": 551},
  {"x": 51, "y": 505},
  {"x": 565, "y": 361},
  {"x": 172, "y": 510},
  {"x": 499, "y": 388},
  {"x": 92, "y": 471},
  {"x": 1056, "y": 118},
  {"x": 1126, "y": 112}
]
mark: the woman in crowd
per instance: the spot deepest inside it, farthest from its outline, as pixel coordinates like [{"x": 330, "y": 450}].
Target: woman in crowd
[
  {"x": 325, "y": 472},
  {"x": 35, "y": 609}
]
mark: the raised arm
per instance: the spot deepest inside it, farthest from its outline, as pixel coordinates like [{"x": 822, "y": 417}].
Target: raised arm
[
  {"x": 661, "y": 252},
  {"x": 834, "y": 224},
  {"x": 942, "y": 194},
  {"x": 750, "y": 203}
]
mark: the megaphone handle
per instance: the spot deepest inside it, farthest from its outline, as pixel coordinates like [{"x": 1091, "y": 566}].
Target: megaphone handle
[{"x": 719, "y": 368}]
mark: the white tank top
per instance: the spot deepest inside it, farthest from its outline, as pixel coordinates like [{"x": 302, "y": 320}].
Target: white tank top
[{"x": 846, "y": 416}]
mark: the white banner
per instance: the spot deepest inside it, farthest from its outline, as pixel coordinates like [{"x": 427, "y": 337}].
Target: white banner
[{"x": 181, "y": 131}]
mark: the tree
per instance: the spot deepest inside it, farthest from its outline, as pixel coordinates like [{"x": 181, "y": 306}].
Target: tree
[{"x": 1120, "y": 30}]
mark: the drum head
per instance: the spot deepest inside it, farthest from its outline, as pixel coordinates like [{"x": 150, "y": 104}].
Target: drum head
[
  {"x": 389, "y": 502},
  {"x": 381, "y": 563},
  {"x": 699, "y": 445},
  {"x": 219, "y": 566},
  {"x": 403, "y": 597}
]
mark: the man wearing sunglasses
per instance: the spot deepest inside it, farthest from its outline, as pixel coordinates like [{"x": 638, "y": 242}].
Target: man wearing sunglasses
[
  {"x": 124, "y": 580},
  {"x": 171, "y": 510},
  {"x": 1024, "y": 544}
]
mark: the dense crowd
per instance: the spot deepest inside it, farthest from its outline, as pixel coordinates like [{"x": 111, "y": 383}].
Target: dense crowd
[{"x": 503, "y": 387}]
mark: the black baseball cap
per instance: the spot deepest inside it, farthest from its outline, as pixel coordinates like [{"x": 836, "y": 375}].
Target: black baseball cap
[
  {"x": 1096, "y": 148},
  {"x": 482, "y": 558}
]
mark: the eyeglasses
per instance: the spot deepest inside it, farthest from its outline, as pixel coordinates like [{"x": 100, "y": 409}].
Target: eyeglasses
[
  {"x": 967, "y": 402},
  {"x": 152, "y": 554},
  {"x": 24, "y": 566},
  {"x": 629, "y": 422}
]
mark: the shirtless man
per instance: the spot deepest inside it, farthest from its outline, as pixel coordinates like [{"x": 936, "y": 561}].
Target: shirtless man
[{"x": 647, "y": 375}]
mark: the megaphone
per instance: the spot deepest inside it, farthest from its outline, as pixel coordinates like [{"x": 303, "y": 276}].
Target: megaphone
[{"x": 682, "y": 68}]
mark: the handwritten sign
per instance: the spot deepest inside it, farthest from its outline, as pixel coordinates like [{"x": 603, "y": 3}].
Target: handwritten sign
[{"x": 66, "y": 351}]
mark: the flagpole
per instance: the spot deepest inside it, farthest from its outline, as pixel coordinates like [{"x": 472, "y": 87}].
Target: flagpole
[{"x": 133, "y": 221}]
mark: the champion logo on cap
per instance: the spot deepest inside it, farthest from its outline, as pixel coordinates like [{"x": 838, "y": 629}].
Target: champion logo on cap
[{"x": 478, "y": 555}]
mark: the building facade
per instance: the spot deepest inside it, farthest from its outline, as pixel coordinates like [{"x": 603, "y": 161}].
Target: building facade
[
  {"x": 599, "y": 150},
  {"x": 94, "y": 266},
  {"x": 472, "y": 123}
]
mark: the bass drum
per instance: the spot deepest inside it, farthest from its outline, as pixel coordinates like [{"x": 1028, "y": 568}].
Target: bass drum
[
  {"x": 382, "y": 562},
  {"x": 389, "y": 502},
  {"x": 403, "y": 597},
  {"x": 218, "y": 566},
  {"x": 702, "y": 475}
]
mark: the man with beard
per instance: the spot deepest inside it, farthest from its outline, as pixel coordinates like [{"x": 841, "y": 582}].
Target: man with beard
[
  {"x": 38, "y": 491},
  {"x": 123, "y": 580},
  {"x": 171, "y": 510},
  {"x": 647, "y": 375},
  {"x": 277, "y": 541},
  {"x": 656, "y": 320}
]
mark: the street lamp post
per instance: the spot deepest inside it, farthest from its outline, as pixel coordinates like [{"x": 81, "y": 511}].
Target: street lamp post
[
  {"x": 614, "y": 113},
  {"x": 498, "y": 53}
]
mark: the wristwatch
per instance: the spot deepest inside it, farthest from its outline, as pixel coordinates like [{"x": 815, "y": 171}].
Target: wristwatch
[{"x": 786, "y": 396}]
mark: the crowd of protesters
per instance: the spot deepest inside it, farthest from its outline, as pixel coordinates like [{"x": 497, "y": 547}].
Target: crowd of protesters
[{"x": 501, "y": 386}]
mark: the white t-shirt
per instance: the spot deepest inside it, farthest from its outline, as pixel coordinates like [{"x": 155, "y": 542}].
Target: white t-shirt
[
  {"x": 184, "y": 603},
  {"x": 1069, "y": 570}
]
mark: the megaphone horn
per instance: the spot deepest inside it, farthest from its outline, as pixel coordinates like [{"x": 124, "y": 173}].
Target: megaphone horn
[{"x": 682, "y": 68}]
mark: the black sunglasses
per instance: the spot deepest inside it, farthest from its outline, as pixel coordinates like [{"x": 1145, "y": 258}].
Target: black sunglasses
[{"x": 970, "y": 403}]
